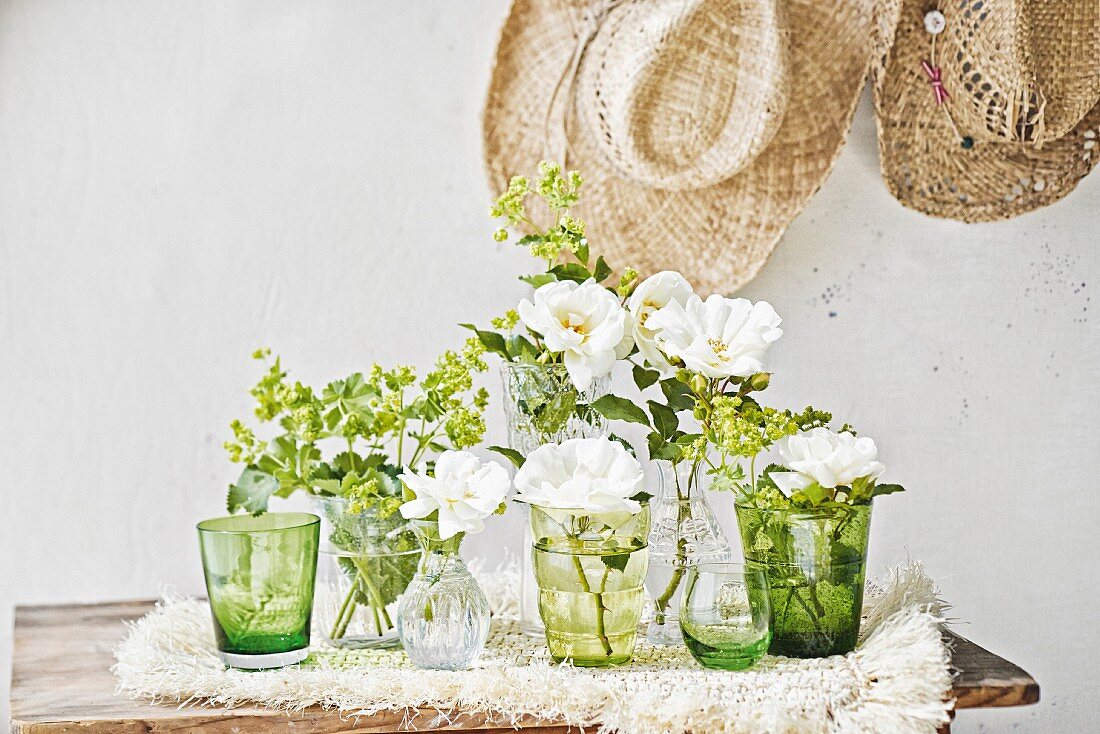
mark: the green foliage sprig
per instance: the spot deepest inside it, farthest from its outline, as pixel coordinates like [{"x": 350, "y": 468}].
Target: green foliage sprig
[
  {"x": 563, "y": 247},
  {"x": 382, "y": 421}
]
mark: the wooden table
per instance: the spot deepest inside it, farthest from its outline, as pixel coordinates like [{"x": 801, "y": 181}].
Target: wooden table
[{"x": 61, "y": 683}]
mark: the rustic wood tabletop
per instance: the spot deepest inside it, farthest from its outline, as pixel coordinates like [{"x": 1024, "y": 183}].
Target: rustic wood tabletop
[{"x": 61, "y": 683}]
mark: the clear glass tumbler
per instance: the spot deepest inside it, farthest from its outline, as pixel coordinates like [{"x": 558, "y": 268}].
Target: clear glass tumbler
[
  {"x": 260, "y": 573},
  {"x": 725, "y": 614},
  {"x": 367, "y": 559}
]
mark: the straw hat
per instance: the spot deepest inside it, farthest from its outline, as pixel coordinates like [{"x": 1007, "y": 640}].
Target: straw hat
[
  {"x": 702, "y": 127},
  {"x": 989, "y": 108}
]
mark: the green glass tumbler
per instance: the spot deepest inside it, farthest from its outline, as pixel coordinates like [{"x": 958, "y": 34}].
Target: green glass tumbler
[
  {"x": 815, "y": 561},
  {"x": 260, "y": 573},
  {"x": 590, "y": 570},
  {"x": 725, "y": 614}
]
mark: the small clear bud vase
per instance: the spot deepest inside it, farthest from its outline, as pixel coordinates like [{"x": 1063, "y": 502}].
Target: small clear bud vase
[
  {"x": 815, "y": 561},
  {"x": 543, "y": 406},
  {"x": 685, "y": 532},
  {"x": 443, "y": 618},
  {"x": 590, "y": 571},
  {"x": 367, "y": 559}
]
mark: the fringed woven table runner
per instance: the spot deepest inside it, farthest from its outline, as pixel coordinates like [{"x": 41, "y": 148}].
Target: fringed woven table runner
[{"x": 896, "y": 681}]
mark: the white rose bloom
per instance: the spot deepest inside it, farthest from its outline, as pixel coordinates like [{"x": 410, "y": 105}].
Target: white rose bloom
[
  {"x": 584, "y": 322},
  {"x": 829, "y": 459},
  {"x": 592, "y": 475},
  {"x": 653, "y": 293},
  {"x": 719, "y": 337},
  {"x": 464, "y": 491}
]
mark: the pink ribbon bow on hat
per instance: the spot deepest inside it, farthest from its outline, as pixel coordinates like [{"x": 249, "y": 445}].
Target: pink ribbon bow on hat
[{"x": 935, "y": 77}]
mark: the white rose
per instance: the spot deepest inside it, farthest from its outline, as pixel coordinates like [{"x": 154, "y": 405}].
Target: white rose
[
  {"x": 653, "y": 293},
  {"x": 592, "y": 475},
  {"x": 826, "y": 458},
  {"x": 464, "y": 491},
  {"x": 584, "y": 322},
  {"x": 719, "y": 337}
]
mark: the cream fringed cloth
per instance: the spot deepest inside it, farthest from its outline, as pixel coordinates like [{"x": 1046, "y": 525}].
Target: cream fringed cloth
[{"x": 896, "y": 681}]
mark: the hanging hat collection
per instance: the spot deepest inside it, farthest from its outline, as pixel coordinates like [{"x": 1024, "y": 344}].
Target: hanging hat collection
[{"x": 703, "y": 127}]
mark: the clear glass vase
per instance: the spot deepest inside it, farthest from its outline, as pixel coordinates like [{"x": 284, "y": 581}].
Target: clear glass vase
[
  {"x": 367, "y": 559},
  {"x": 685, "y": 532},
  {"x": 543, "y": 406},
  {"x": 443, "y": 618},
  {"x": 590, "y": 571},
  {"x": 815, "y": 561}
]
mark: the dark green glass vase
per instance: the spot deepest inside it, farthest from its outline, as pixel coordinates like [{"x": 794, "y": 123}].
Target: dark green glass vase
[
  {"x": 815, "y": 561},
  {"x": 260, "y": 573}
]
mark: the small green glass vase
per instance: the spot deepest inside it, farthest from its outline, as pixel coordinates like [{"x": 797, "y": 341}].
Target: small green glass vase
[
  {"x": 590, "y": 570},
  {"x": 260, "y": 574},
  {"x": 815, "y": 562}
]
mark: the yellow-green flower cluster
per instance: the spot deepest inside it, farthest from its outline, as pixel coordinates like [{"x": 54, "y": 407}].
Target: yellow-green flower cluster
[
  {"x": 386, "y": 418},
  {"x": 245, "y": 448},
  {"x": 743, "y": 428},
  {"x": 560, "y": 192}
]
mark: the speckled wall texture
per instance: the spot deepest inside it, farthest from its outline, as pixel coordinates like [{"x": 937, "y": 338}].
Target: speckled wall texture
[{"x": 181, "y": 182}]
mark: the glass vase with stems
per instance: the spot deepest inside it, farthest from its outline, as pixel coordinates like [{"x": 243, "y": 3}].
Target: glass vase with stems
[
  {"x": 542, "y": 405},
  {"x": 685, "y": 532},
  {"x": 815, "y": 560},
  {"x": 368, "y": 556},
  {"x": 590, "y": 569},
  {"x": 443, "y": 617}
]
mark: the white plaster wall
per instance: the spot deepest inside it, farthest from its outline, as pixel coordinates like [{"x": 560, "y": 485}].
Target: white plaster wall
[{"x": 181, "y": 182}]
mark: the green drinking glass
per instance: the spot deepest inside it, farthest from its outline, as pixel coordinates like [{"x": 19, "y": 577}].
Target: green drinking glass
[
  {"x": 725, "y": 614},
  {"x": 260, "y": 572}
]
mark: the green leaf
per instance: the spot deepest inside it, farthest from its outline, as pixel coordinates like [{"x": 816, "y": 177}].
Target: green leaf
[
  {"x": 251, "y": 492},
  {"x": 616, "y": 562},
  {"x": 626, "y": 444},
  {"x": 643, "y": 378},
  {"x": 510, "y": 454},
  {"x": 602, "y": 271},
  {"x": 582, "y": 253},
  {"x": 664, "y": 418},
  {"x": 491, "y": 340},
  {"x": 667, "y": 452},
  {"x": 677, "y": 394},
  {"x": 620, "y": 409},
  {"x": 571, "y": 271},
  {"x": 813, "y": 495},
  {"x": 520, "y": 347},
  {"x": 537, "y": 281},
  {"x": 642, "y": 497},
  {"x": 881, "y": 489}
]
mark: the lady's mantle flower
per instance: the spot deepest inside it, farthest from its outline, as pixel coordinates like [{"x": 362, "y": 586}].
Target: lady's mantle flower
[
  {"x": 592, "y": 475},
  {"x": 464, "y": 491},
  {"x": 582, "y": 321},
  {"x": 652, "y": 294},
  {"x": 829, "y": 459},
  {"x": 720, "y": 337}
]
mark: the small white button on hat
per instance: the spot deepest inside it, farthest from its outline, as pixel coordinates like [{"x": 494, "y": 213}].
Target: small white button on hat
[{"x": 934, "y": 22}]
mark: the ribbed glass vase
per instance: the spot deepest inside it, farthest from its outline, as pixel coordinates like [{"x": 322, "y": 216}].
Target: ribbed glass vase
[
  {"x": 590, "y": 571},
  {"x": 543, "y": 406},
  {"x": 685, "y": 532},
  {"x": 443, "y": 618},
  {"x": 815, "y": 561}
]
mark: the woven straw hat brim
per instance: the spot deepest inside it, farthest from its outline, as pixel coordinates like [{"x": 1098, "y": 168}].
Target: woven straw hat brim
[
  {"x": 925, "y": 166},
  {"x": 718, "y": 236}
]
